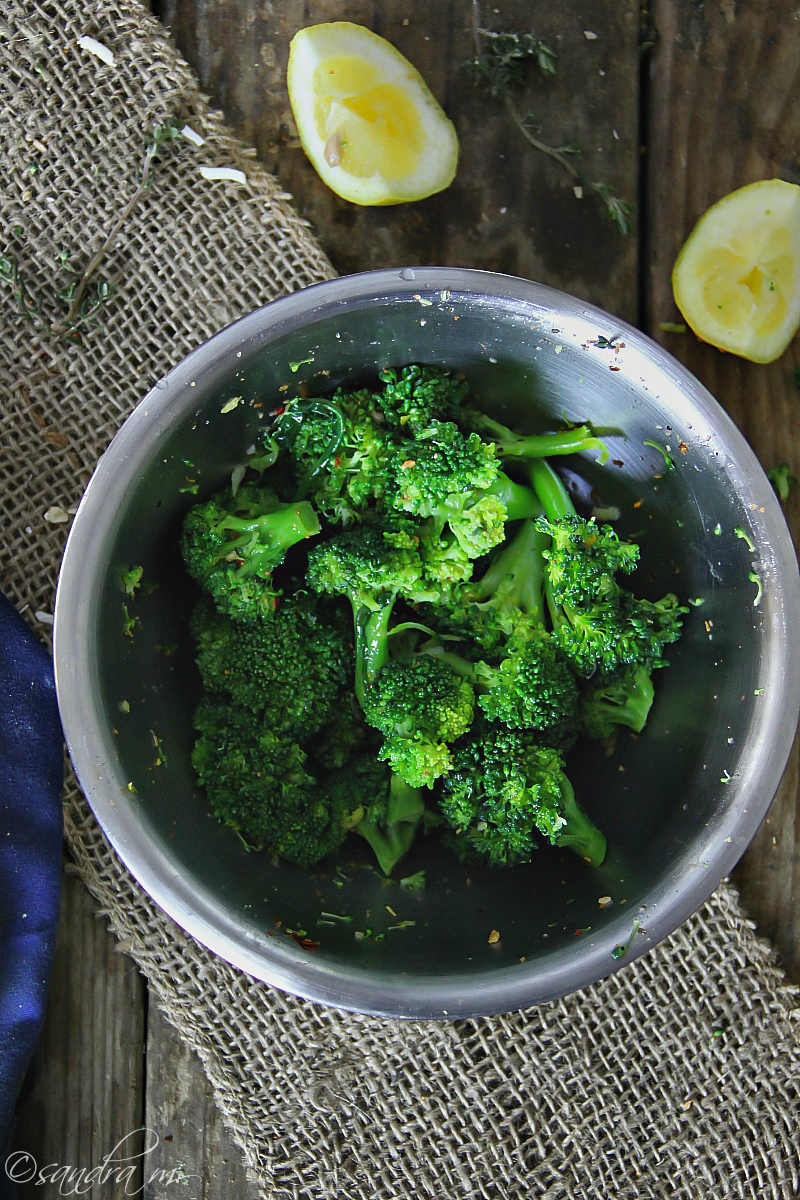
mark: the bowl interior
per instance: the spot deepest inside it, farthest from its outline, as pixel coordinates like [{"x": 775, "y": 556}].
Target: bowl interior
[{"x": 685, "y": 489}]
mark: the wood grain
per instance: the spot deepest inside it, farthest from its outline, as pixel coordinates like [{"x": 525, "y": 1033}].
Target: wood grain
[
  {"x": 84, "y": 1095},
  {"x": 510, "y": 209},
  {"x": 723, "y": 112},
  {"x": 193, "y": 1153}
]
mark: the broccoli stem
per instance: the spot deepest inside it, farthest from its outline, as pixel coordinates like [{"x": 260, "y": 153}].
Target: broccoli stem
[
  {"x": 540, "y": 445},
  {"x": 519, "y": 569},
  {"x": 580, "y": 833},
  {"x": 371, "y": 644},
  {"x": 552, "y": 494},
  {"x": 520, "y": 502},
  {"x": 392, "y": 838},
  {"x": 270, "y": 535}
]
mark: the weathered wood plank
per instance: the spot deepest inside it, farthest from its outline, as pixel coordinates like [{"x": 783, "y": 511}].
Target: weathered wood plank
[
  {"x": 84, "y": 1096},
  {"x": 192, "y": 1147},
  {"x": 511, "y": 208},
  {"x": 722, "y": 113}
]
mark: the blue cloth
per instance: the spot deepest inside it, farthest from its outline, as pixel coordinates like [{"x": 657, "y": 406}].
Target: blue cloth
[{"x": 31, "y": 826}]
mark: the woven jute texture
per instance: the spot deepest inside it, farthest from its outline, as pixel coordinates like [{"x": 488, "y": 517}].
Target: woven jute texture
[{"x": 624, "y": 1090}]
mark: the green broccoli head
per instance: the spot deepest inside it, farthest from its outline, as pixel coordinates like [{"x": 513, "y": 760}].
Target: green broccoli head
[
  {"x": 622, "y": 698},
  {"x": 622, "y": 632},
  {"x": 532, "y": 688},
  {"x": 419, "y": 705},
  {"x": 584, "y": 558},
  {"x": 503, "y": 791},
  {"x": 256, "y": 782},
  {"x": 232, "y": 543},
  {"x": 435, "y": 469},
  {"x": 369, "y": 564},
  {"x": 378, "y": 806},
  {"x": 415, "y": 397},
  {"x": 342, "y": 454},
  {"x": 295, "y": 668}
]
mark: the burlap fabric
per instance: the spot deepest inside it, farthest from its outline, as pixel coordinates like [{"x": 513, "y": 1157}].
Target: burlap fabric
[{"x": 626, "y": 1090}]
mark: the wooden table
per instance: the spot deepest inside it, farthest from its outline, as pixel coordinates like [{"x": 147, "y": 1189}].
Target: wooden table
[{"x": 673, "y": 104}]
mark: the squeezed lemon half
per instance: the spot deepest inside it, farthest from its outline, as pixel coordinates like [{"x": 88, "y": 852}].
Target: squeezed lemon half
[
  {"x": 365, "y": 117},
  {"x": 737, "y": 278}
]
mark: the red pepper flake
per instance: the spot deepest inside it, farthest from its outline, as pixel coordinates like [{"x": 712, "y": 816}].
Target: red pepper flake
[
  {"x": 684, "y": 449},
  {"x": 615, "y": 368},
  {"x": 306, "y": 943},
  {"x": 618, "y": 462},
  {"x": 276, "y": 412},
  {"x": 638, "y": 503},
  {"x": 337, "y": 462}
]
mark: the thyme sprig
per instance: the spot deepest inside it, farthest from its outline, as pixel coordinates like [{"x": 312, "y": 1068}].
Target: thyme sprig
[
  {"x": 80, "y": 306},
  {"x": 84, "y": 295},
  {"x": 500, "y": 66}
]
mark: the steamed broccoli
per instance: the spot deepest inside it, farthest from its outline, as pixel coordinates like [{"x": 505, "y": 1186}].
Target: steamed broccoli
[
  {"x": 378, "y": 806},
  {"x": 416, "y": 397},
  {"x": 532, "y": 687},
  {"x": 371, "y": 565},
  {"x": 340, "y": 451},
  {"x": 622, "y": 698},
  {"x": 454, "y": 479},
  {"x": 257, "y": 782},
  {"x": 294, "y": 667},
  {"x": 503, "y": 791},
  {"x": 598, "y": 624},
  {"x": 419, "y": 705},
  {"x": 232, "y": 543},
  {"x": 489, "y": 629}
]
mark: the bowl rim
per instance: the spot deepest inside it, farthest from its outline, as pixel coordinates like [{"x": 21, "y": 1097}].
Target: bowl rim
[{"x": 668, "y": 903}]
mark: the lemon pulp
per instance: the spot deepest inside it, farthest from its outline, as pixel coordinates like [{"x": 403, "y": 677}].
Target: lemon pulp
[{"x": 372, "y": 125}]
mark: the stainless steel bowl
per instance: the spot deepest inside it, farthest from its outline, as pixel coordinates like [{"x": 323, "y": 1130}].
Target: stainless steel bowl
[{"x": 679, "y": 804}]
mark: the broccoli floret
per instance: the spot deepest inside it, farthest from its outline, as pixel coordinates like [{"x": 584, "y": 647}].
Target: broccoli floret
[
  {"x": 341, "y": 452},
  {"x": 598, "y": 624},
  {"x": 519, "y": 446},
  {"x": 257, "y": 782},
  {"x": 231, "y": 545},
  {"x": 438, "y": 464},
  {"x": 371, "y": 565},
  {"x": 583, "y": 559},
  {"x": 294, "y": 667},
  {"x": 377, "y": 805},
  {"x": 509, "y": 593},
  {"x": 417, "y": 396},
  {"x": 532, "y": 688},
  {"x": 453, "y": 479},
  {"x": 503, "y": 790},
  {"x": 623, "y": 698},
  {"x": 419, "y": 705}
]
